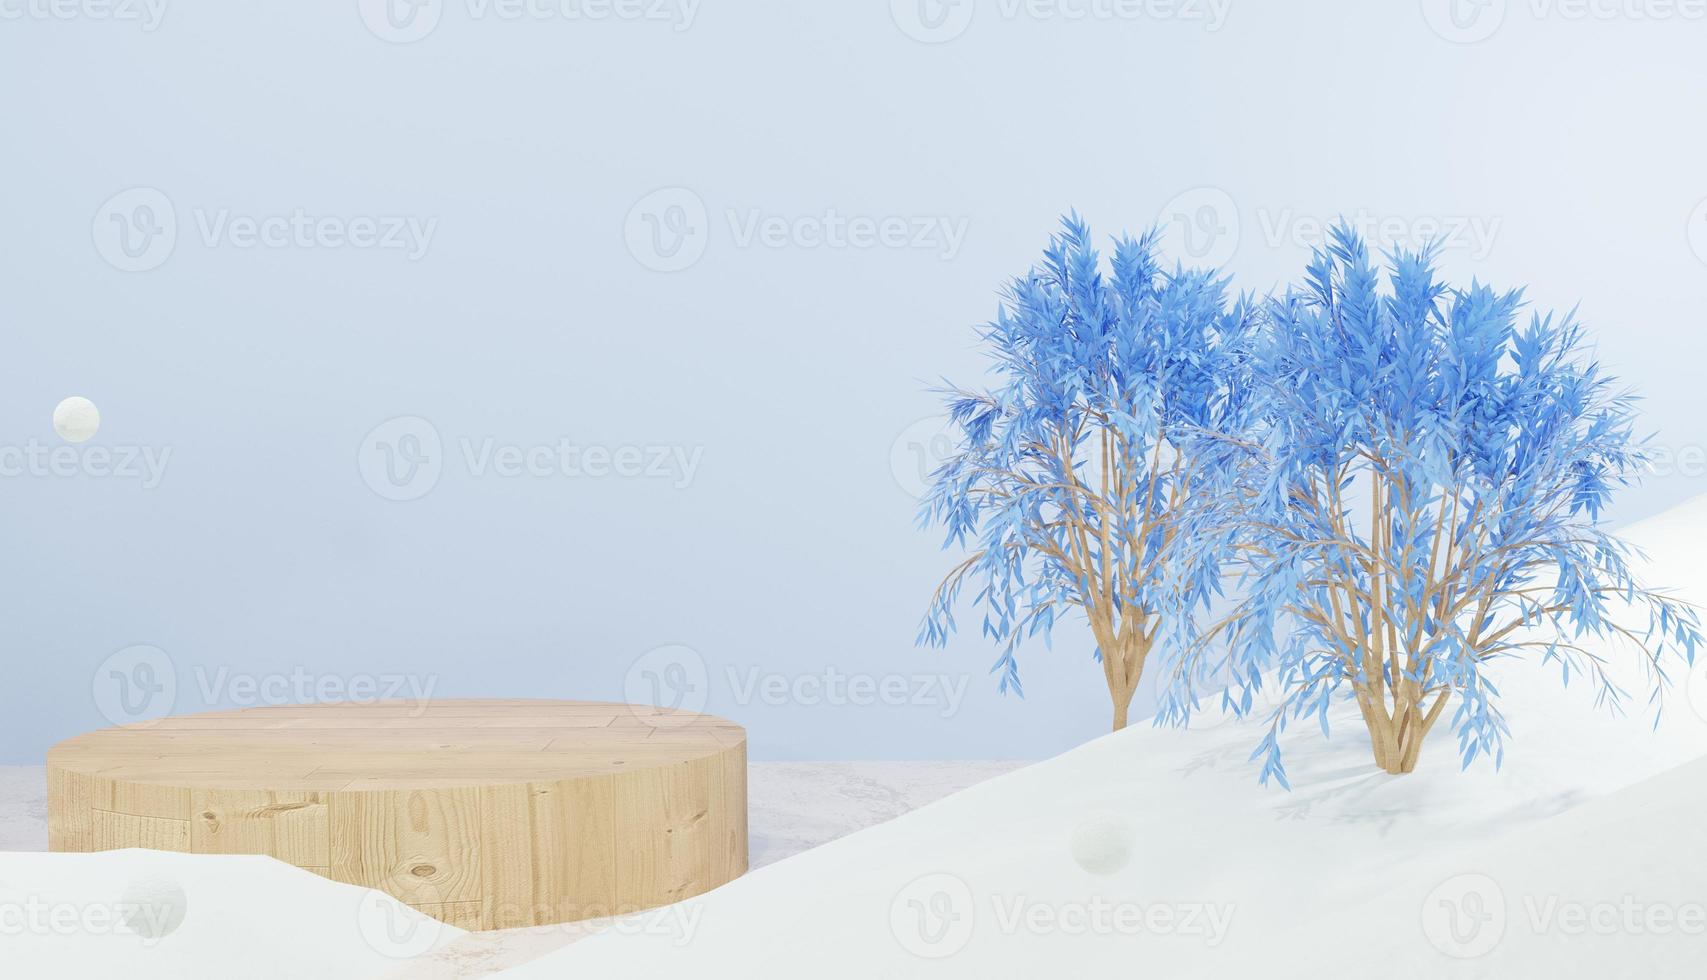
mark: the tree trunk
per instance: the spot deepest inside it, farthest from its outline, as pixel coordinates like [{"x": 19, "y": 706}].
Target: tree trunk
[
  {"x": 1123, "y": 665},
  {"x": 1396, "y": 733},
  {"x": 1121, "y": 704}
]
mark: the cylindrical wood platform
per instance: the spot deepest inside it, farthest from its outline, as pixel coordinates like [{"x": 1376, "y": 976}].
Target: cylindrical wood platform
[{"x": 485, "y": 814}]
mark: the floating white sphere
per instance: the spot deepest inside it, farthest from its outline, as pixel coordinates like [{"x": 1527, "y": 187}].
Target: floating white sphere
[
  {"x": 153, "y": 906},
  {"x": 1102, "y": 843},
  {"x": 76, "y": 419}
]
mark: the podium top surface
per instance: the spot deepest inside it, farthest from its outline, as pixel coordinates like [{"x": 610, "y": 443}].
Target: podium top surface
[{"x": 393, "y": 745}]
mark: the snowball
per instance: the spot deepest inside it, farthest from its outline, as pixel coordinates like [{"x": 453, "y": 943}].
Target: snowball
[
  {"x": 76, "y": 419},
  {"x": 1102, "y": 843}
]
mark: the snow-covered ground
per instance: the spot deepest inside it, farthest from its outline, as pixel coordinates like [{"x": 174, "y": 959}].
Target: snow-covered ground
[
  {"x": 1154, "y": 852},
  {"x": 793, "y": 806},
  {"x": 155, "y": 914}
]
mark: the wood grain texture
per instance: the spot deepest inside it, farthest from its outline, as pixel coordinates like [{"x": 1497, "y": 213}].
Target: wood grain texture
[{"x": 487, "y": 814}]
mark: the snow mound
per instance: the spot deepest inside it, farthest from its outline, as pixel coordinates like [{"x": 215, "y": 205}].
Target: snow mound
[
  {"x": 1155, "y": 850},
  {"x": 147, "y": 914},
  {"x": 1612, "y": 888}
]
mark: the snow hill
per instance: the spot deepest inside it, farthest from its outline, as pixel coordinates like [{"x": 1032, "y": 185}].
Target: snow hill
[
  {"x": 1154, "y": 850},
  {"x": 154, "y": 914}
]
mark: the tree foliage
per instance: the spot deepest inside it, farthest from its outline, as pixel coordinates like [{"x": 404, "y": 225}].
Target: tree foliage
[
  {"x": 1414, "y": 491},
  {"x": 1067, "y": 473}
]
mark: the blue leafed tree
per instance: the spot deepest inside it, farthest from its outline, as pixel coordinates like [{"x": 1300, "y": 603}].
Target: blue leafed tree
[
  {"x": 1417, "y": 493},
  {"x": 1067, "y": 470}
]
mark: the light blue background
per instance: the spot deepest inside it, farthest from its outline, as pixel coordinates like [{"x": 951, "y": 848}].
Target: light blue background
[{"x": 794, "y": 369}]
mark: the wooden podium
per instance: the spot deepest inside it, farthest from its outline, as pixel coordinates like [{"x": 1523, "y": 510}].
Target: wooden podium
[{"x": 485, "y": 814}]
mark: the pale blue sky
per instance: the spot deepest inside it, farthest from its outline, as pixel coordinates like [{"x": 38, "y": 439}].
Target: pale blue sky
[{"x": 469, "y": 229}]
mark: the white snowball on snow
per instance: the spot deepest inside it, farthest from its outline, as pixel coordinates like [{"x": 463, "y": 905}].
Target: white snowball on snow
[{"x": 1102, "y": 843}]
